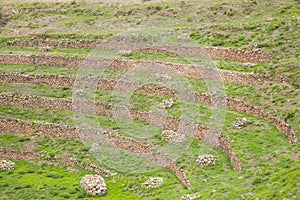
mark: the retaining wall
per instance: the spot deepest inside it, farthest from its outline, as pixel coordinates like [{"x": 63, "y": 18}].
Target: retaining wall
[
  {"x": 171, "y": 123},
  {"x": 26, "y": 155},
  {"x": 231, "y": 103},
  {"x": 205, "y": 52},
  {"x": 126, "y": 65},
  {"x": 20, "y": 126}
]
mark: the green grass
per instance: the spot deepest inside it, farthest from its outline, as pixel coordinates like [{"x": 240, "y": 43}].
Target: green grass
[
  {"x": 85, "y": 52},
  {"x": 254, "y": 146},
  {"x": 41, "y": 70},
  {"x": 235, "y": 24},
  {"x": 255, "y": 94},
  {"x": 270, "y": 163},
  {"x": 13, "y": 142},
  {"x": 32, "y": 181},
  {"x": 37, "y": 89}
]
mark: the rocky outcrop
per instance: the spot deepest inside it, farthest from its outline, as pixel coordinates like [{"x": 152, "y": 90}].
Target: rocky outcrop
[{"x": 93, "y": 184}]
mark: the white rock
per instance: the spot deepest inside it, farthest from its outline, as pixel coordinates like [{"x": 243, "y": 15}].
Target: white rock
[
  {"x": 153, "y": 182},
  {"x": 206, "y": 160},
  {"x": 7, "y": 165},
  {"x": 168, "y": 103},
  {"x": 93, "y": 184}
]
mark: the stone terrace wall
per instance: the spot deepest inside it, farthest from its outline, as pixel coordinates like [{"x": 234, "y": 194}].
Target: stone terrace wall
[
  {"x": 231, "y": 103},
  {"x": 281, "y": 125},
  {"x": 125, "y": 65},
  {"x": 41, "y": 60},
  {"x": 180, "y": 174},
  {"x": 19, "y": 126},
  {"x": 26, "y": 155},
  {"x": 213, "y": 52},
  {"x": 101, "y": 109},
  {"x": 54, "y": 43},
  {"x": 204, "y": 133},
  {"x": 37, "y": 79},
  {"x": 237, "y": 55}
]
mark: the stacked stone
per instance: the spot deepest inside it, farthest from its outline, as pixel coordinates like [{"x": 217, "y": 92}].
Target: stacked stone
[
  {"x": 45, "y": 48},
  {"x": 168, "y": 103},
  {"x": 172, "y": 137},
  {"x": 189, "y": 197},
  {"x": 7, "y": 165},
  {"x": 124, "y": 52},
  {"x": 93, "y": 184},
  {"x": 248, "y": 65},
  {"x": 240, "y": 123},
  {"x": 95, "y": 148},
  {"x": 206, "y": 160},
  {"x": 153, "y": 182},
  {"x": 162, "y": 77}
]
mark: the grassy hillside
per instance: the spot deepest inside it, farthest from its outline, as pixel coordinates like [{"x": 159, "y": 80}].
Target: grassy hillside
[{"x": 270, "y": 162}]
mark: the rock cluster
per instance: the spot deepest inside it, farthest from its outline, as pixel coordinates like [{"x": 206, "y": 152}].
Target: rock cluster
[
  {"x": 189, "y": 197},
  {"x": 248, "y": 65},
  {"x": 124, "y": 53},
  {"x": 172, "y": 136},
  {"x": 93, "y": 184},
  {"x": 162, "y": 77},
  {"x": 95, "y": 148},
  {"x": 153, "y": 182},
  {"x": 168, "y": 103},
  {"x": 240, "y": 123},
  {"x": 206, "y": 160},
  {"x": 7, "y": 165},
  {"x": 45, "y": 48}
]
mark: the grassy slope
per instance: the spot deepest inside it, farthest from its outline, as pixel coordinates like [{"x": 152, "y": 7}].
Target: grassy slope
[
  {"x": 45, "y": 181},
  {"x": 270, "y": 163}
]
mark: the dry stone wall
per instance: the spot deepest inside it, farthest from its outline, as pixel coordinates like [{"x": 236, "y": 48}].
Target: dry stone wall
[
  {"x": 171, "y": 123},
  {"x": 213, "y": 52},
  {"x": 237, "y": 55},
  {"x": 20, "y": 126},
  {"x": 231, "y": 103},
  {"x": 180, "y": 174},
  {"x": 27, "y": 155},
  {"x": 281, "y": 125},
  {"x": 125, "y": 65},
  {"x": 36, "y": 79}
]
